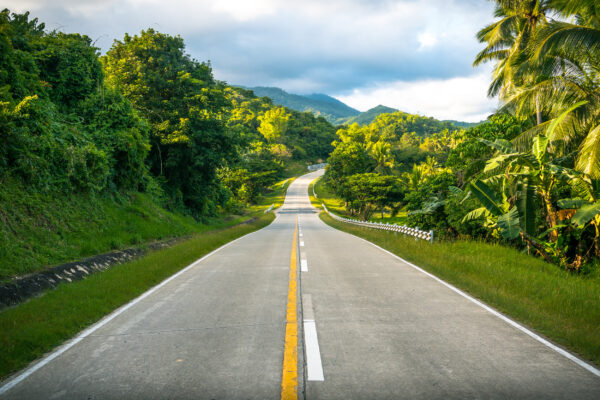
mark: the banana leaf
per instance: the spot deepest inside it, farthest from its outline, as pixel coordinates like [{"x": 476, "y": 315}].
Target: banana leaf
[
  {"x": 586, "y": 213},
  {"x": 486, "y": 196},
  {"x": 509, "y": 224}
]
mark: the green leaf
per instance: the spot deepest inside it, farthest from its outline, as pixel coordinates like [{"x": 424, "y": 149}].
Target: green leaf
[
  {"x": 588, "y": 160},
  {"x": 558, "y": 120},
  {"x": 563, "y": 172},
  {"x": 586, "y": 213},
  {"x": 475, "y": 214},
  {"x": 572, "y": 203},
  {"x": 486, "y": 196},
  {"x": 509, "y": 224},
  {"x": 455, "y": 190},
  {"x": 526, "y": 193},
  {"x": 539, "y": 148},
  {"x": 498, "y": 161},
  {"x": 555, "y": 228},
  {"x": 501, "y": 145}
]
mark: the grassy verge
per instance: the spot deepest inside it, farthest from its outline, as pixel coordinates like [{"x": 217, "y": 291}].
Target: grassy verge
[
  {"x": 40, "y": 324},
  {"x": 274, "y": 196},
  {"x": 295, "y": 168},
  {"x": 38, "y": 230},
  {"x": 325, "y": 195},
  {"x": 557, "y": 304},
  {"x": 314, "y": 200},
  {"x": 43, "y": 229}
]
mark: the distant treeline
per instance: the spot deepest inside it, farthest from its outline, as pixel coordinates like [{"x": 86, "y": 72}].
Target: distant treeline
[{"x": 143, "y": 117}]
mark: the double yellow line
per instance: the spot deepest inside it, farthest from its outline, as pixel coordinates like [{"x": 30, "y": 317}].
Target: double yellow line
[{"x": 289, "y": 377}]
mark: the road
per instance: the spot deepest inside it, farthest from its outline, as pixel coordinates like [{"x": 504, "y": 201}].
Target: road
[{"x": 368, "y": 326}]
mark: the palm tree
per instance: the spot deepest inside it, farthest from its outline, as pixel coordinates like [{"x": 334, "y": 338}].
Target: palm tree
[
  {"x": 381, "y": 152},
  {"x": 507, "y": 40},
  {"x": 571, "y": 86}
]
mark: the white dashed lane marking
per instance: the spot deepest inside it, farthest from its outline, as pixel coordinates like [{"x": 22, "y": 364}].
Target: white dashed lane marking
[{"x": 314, "y": 367}]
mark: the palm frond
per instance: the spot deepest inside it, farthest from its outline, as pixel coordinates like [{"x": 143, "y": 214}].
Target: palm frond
[
  {"x": 564, "y": 38},
  {"x": 588, "y": 161}
]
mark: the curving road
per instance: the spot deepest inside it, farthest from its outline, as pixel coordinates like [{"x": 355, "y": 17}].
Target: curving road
[{"x": 369, "y": 327}]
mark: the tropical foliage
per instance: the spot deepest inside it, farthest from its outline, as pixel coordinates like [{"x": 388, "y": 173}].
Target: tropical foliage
[
  {"x": 529, "y": 175},
  {"x": 143, "y": 117}
]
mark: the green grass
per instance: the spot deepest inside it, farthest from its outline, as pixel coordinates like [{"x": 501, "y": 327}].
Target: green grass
[
  {"x": 326, "y": 196},
  {"x": 313, "y": 200},
  {"x": 274, "y": 196},
  {"x": 562, "y": 306},
  {"x": 42, "y": 229},
  {"x": 38, "y": 230},
  {"x": 295, "y": 168},
  {"x": 31, "y": 329}
]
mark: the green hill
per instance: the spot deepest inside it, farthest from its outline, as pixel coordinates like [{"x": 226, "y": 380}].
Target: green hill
[
  {"x": 365, "y": 118},
  {"x": 461, "y": 124},
  {"x": 332, "y": 109},
  {"x": 319, "y": 104}
]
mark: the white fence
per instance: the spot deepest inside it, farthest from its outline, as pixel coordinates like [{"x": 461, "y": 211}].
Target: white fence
[
  {"x": 315, "y": 167},
  {"x": 416, "y": 232}
]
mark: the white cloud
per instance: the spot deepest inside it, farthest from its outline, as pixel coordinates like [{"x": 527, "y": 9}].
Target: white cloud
[
  {"x": 244, "y": 10},
  {"x": 426, "y": 39},
  {"x": 462, "y": 98},
  {"x": 389, "y": 47}
]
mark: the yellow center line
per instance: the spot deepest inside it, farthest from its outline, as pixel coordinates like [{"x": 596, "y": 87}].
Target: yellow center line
[{"x": 289, "y": 377}]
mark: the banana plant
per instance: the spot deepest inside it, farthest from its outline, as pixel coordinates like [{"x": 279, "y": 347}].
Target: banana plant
[
  {"x": 524, "y": 179},
  {"x": 585, "y": 209},
  {"x": 498, "y": 211}
]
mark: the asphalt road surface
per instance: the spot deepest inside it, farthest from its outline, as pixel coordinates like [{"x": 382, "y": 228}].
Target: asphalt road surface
[{"x": 354, "y": 323}]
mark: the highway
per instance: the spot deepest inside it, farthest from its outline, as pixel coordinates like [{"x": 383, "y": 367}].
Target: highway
[{"x": 301, "y": 310}]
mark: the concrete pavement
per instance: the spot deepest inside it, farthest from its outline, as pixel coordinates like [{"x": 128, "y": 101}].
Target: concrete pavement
[{"x": 376, "y": 328}]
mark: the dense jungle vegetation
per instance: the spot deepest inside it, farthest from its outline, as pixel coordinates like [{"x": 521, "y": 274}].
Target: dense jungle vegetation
[
  {"x": 143, "y": 127},
  {"x": 529, "y": 176}
]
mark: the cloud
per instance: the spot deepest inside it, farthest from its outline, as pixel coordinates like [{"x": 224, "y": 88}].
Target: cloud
[
  {"x": 426, "y": 39},
  {"x": 303, "y": 46},
  {"x": 243, "y": 10},
  {"x": 461, "y": 98}
]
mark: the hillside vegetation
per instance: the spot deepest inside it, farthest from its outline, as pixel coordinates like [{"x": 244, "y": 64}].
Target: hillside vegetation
[
  {"x": 330, "y": 108},
  {"x": 140, "y": 143},
  {"x": 365, "y": 118},
  {"x": 319, "y": 104}
]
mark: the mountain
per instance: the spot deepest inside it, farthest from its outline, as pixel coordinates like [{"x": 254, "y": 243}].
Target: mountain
[
  {"x": 461, "y": 124},
  {"x": 319, "y": 104},
  {"x": 330, "y": 108},
  {"x": 365, "y": 118}
]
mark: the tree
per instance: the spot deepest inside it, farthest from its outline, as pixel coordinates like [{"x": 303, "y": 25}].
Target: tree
[
  {"x": 273, "y": 124},
  {"x": 381, "y": 152},
  {"x": 185, "y": 106},
  {"x": 370, "y": 191},
  {"x": 507, "y": 40},
  {"x": 348, "y": 159},
  {"x": 571, "y": 83},
  {"x": 70, "y": 68}
]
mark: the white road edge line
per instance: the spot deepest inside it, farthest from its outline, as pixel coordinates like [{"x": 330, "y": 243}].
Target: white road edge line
[
  {"x": 82, "y": 335},
  {"x": 503, "y": 317},
  {"x": 314, "y": 367},
  {"x": 303, "y": 265}
]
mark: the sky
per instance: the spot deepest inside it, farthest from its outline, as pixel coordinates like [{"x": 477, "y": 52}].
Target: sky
[{"x": 413, "y": 55}]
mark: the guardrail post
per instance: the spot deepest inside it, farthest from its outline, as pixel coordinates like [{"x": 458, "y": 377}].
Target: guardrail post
[{"x": 431, "y": 236}]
